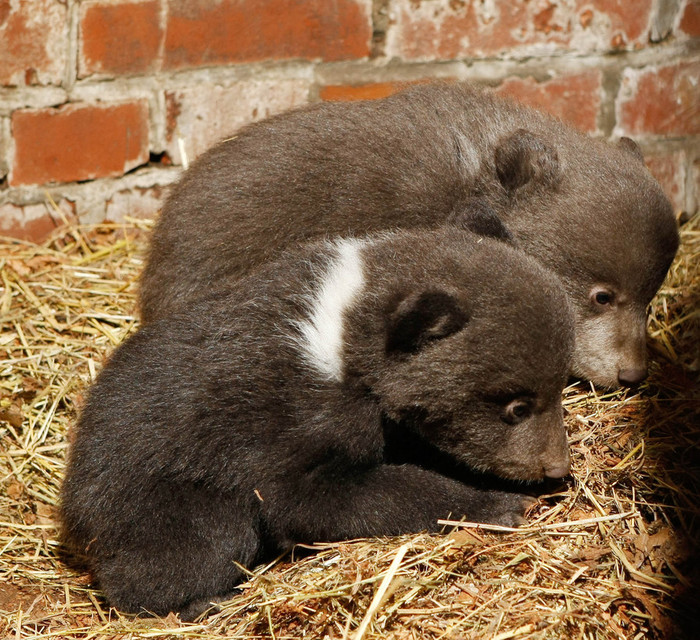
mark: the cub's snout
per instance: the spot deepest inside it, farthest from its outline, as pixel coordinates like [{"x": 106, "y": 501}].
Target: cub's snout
[
  {"x": 542, "y": 447},
  {"x": 611, "y": 347}
]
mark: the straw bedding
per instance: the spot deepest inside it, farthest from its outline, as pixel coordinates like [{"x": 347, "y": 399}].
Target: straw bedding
[{"x": 610, "y": 553}]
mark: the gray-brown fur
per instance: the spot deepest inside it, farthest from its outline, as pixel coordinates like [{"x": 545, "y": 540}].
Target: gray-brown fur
[
  {"x": 587, "y": 209},
  {"x": 210, "y": 440}
]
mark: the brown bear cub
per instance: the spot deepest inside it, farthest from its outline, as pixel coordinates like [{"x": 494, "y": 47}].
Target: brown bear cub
[
  {"x": 587, "y": 209},
  {"x": 256, "y": 418}
]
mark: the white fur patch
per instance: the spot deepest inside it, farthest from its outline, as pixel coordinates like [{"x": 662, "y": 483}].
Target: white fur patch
[{"x": 322, "y": 333}]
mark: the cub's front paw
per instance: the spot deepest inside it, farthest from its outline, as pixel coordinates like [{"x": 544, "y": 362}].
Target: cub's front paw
[{"x": 508, "y": 509}]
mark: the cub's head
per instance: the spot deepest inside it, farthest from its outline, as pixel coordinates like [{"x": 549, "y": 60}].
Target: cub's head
[
  {"x": 625, "y": 242},
  {"x": 592, "y": 213},
  {"x": 473, "y": 350}
]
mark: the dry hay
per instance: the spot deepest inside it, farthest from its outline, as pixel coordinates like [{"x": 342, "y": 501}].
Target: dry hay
[{"x": 606, "y": 556}]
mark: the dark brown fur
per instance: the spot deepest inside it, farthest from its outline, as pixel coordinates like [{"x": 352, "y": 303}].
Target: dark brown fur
[
  {"x": 587, "y": 209},
  {"x": 209, "y": 439}
]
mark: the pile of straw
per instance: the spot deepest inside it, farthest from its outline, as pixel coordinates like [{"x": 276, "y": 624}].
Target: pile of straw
[{"x": 609, "y": 554}]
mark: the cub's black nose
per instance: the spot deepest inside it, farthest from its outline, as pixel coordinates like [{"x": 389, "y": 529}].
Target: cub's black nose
[{"x": 631, "y": 377}]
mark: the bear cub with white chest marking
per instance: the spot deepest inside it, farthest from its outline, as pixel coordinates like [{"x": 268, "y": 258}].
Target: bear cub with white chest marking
[{"x": 256, "y": 419}]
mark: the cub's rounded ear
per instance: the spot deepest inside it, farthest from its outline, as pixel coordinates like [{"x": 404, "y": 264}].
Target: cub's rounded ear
[
  {"x": 522, "y": 158},
  {"x": 477, "y": 216},
  {"x": 630, "y": 146},
  {"x": 423, "y": 317}
]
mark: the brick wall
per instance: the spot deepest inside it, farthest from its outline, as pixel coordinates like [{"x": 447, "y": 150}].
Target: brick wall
[{"x": 99, "y": 99}]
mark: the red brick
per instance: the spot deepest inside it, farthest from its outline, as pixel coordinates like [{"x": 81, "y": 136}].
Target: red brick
[
  {"x": 372, "y": 91},
  {"x": 458, "y": 28},
  {"x": 574, "y": 99},
  {"x": 205, "y": 33},
  {"x": 359, "y": 92},
  {"x": 660, "y": 100},
  {"x": 33, "y": 42},
  {"x": 119, "y": 38},
  {"x": 31, "y": 222},
  {"x": 629, "y": 21},
  {"x": 78, "y": 142},
  {"x": 670, "y": 171},
  {"x": 206, "y": 113},
  {"x": 690, "y": 20}
]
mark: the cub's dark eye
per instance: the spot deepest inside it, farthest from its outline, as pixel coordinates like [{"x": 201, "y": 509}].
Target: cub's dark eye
[
  {"x": 602, "y": 297},
  {"x": 516, "y": 411}
]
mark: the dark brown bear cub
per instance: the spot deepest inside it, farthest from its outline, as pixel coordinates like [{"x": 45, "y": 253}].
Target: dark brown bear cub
[
  {"x": 588, "y": 210},
  {"x": 255, "y": 419}
]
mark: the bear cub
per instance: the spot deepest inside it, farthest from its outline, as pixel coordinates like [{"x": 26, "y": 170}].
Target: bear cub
[
  {"x": 256, "y": 418},
  {"x": 588, "y": 210}
]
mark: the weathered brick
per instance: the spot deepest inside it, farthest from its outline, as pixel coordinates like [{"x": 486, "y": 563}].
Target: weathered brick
[
  {"x": 660, "y": 100},
  {"x": 690, "y": 20},
  {"x": 135, "y": 203},
  {"x": 205, "y": 33},
  {"x": 624, "y": 23},
  {"x": 371, "y": 91},
  {"x": 575, "y": 99},
  {"x": 448, "y": 29},
  {"x": 119, "y": 38},
  {"x": 33, "y": 42},
  {"x": 204, "y": 114},
  {"x": 32, "y": 222},
  {"x": 78, "y": 142},
  {"x": 670, "y": 170}
]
